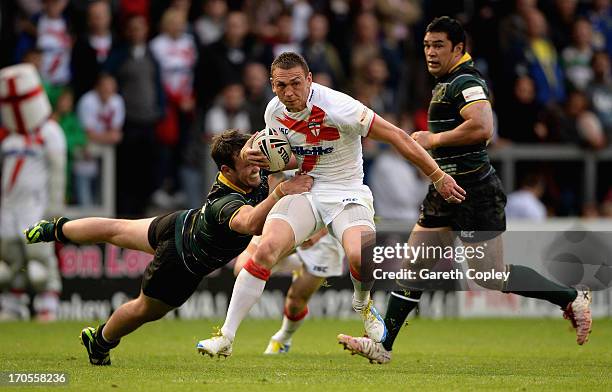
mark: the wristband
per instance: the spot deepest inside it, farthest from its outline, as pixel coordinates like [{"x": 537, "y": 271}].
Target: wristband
[{"x": 278, "y": 192}]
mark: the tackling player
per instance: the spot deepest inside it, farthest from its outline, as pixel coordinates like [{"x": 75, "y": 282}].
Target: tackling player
[
  {"x": 324, "y": 128},
  {"x": 460, "y": 123},
  {"x": 187, "y": 245}
]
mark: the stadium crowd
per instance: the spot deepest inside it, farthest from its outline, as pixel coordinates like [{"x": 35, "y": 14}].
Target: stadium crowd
[{"x": 157, "y": 79}]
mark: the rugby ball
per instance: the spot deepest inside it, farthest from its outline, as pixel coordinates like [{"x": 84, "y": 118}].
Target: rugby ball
[{"x": 275, "y": 146}]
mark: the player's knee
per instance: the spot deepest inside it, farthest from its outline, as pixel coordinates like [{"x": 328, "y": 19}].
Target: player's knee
[
  {"x": 354, "y": 257},
  {"x": 295, "y": 303},
  {"x": 267, "y": 254}
]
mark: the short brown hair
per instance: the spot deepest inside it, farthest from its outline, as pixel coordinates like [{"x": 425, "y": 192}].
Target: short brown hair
[
  {"x": 226, "y": 146},
  {"x": 288, "y": 60}
]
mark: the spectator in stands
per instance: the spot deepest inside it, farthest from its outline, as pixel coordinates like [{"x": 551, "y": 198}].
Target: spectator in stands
[
  {"x": 600, "y": 90},
  {"x": 223, "y": 61},
  {"x": 320, "y": 54},
  {"x": 76, "y": 138},
  {"x": 580, "y": 124},
  {"x": 525, "y": 203},
  {"x": 92, "y": 48},
  {"x": 53, "y": 91},
  {"x": 513, "y": 27},
  {"x": 49, "y": 32},
  {"x": 577, "y": 56},
  {"x": 256, "y": 81},
  {"x": 561, "y": 16},
  {"x": 210, "y": 25},
  {"x": 101, "y": 111},
  {"x": 139, "y": 81},
  {"x": 539, "y": 59},
  {"x": 282, "y": 40},
  {"x": 600, "y": 16},
  {"x": 301, "y": 11},
  {"x": 175, "y": 51},
  {"x": 367, "y": 46},
  {"x": 229, "y": 112},
  {"x": 396, "y": 196},
  {"x": 521, "y": 119}
]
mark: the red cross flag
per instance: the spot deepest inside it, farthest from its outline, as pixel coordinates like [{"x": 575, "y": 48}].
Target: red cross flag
[{"x": 24, "y": 106}]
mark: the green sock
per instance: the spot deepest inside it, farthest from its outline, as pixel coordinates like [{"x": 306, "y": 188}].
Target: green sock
[
  {"x": 399, "y": 306},
  {"x": 528, "y": 283}
]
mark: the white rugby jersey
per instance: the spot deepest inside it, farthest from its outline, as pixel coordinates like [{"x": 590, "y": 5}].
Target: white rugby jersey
[
  {"x": 326, "y": 136},
  {"x": 32, "y": 173},
  {"x": 98, "y": 116},
  {"x": 55, "y": 43},
  {"x": 177, "y": 58}
]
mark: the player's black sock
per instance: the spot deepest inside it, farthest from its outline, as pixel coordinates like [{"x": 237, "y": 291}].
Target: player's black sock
[
  {"x": 528, "y": 283},
  {"x": 102, "y": 344},
  {"x": 400, "y": 304}
]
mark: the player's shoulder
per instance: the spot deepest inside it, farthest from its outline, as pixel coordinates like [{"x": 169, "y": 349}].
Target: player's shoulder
[
  {"x": 466, "y": 77},
  {"x": 324, "y": 96}
]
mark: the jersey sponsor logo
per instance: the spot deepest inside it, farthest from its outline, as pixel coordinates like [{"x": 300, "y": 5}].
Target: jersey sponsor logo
[
  {"x": 314, "y": 151},
  {"x": 319, "y": 268},
  {"x": 473, "y": 94},
  {"x": 315, "y": 132}
]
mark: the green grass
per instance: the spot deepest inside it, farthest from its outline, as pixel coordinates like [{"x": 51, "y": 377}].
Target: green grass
[{"x": 489, "y": 354}]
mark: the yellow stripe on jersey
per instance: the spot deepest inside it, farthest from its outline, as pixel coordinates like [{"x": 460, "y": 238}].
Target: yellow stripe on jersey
[
  {"x": 229, "y": 224},
  {"x": 228, "y": 183},
  {"x": 473, "y": 102}
]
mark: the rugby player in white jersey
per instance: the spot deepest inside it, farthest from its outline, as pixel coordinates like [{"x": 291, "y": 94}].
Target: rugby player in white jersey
[{"x": 324, "y": 128}]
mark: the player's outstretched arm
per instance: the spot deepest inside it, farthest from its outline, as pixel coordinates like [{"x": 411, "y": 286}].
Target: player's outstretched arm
[
  {"x": 385, "y": 131},
  {"x": 250, "y": 220}
]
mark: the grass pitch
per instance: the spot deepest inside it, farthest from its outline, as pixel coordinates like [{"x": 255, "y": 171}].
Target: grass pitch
[{"x": 483, "y": 354}]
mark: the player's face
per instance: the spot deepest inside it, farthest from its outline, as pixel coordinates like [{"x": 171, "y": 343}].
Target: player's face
[
  {"x": 292, "y": 87},
  {"x": 440, "y": 55},
  {"x": 247, "y": 175}
]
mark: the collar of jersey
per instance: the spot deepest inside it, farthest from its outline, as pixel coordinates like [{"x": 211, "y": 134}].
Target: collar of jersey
[
  {"x": 464, "y": 59},
  {"x": 229, "y": 184}
]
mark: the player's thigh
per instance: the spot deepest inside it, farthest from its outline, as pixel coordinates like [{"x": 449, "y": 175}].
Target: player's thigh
[
  {"x": 152, "y": 307},
  {"x": 353, "y": 227},
  {"x": 134, "y": 234},
  {"x": 298, "y": 213},
  {"x": 429, "y": 239}
]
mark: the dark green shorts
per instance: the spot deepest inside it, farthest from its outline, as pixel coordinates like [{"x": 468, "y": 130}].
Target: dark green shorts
[
  {"x": 167, "y": 278},
  {"x": 482, "y": 211}
]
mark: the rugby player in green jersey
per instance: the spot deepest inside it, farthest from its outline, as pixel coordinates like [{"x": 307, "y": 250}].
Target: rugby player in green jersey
[
  {"x": 187, "y": 245},
  {"x": 460, "y": 123}
]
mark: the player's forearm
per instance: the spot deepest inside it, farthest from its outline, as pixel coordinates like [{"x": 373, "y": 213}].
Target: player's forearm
[
  {"x": 255, "y": 217},
  {"x": 416, "y": 154},
  {"x": 468, "y": 133}
]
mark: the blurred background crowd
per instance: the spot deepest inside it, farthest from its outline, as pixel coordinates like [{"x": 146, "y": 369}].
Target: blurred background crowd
[{"x": 155, "y": 79}]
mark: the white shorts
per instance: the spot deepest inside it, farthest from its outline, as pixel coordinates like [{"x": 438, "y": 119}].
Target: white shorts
[
  {"x": 309, "y": 212},
  {"x": 324, "y": 259}
]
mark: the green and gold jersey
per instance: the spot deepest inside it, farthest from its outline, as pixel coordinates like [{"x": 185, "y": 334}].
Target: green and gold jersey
[
  {"x": 453, "y": 92},
  {"x": 206, "y": 234}
]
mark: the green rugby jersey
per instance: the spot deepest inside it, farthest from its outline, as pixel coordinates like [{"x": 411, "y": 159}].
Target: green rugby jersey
[
  {"x": 453, "y": 92},
  {"x": 204, "y": 238}
]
